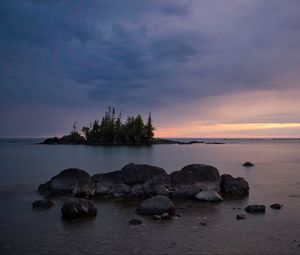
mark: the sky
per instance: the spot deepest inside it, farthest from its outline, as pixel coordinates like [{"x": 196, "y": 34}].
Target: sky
[{"x": 204, "y": 68}]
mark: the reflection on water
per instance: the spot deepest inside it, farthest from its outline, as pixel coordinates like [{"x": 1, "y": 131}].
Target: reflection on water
[{"x": 275, "y": 178}]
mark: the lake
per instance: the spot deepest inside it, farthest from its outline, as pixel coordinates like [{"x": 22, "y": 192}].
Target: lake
[{"x": 275, "y": 178}]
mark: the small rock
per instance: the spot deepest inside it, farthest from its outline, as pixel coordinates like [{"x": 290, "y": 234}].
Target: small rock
[
  {"x": 179, "y": 215},
  {"x": 78, "y": 207},
  {"x": 240, "y": 216},
  {"x": 276, "y": 206},
  {"x": 164, "y": 215},
  {"x": 248, "y": 164},
  {"x": 203, "y": 223},
  {"x": 255, "y": 209},
  {"x": 42, "y": 204},
  {"x": 209, "y": 196},
  {"x": 135, "y": 222},
  {"x": 156, "y": 205},
  {"x": 157, "y": 217}
]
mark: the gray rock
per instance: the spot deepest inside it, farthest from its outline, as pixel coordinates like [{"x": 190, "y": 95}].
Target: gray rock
[
  {"x": 161, "y": 190},
  {"x": 121, "y": 190},
  {"x": 157, "y": 217},
  {"x": 70, "y": 181},
  {"x": 209, "y": 196},
  {"x": 231, "y": 185},
  {"x": 164, "y": 215},
  {"x": 156, "y": 205},
  {"x": 248, "y": 164},
  {"x": 255, "y": 209},
  {"x": 78, "y": 207},
  {"x": 276, "y": 206},
  {"x": 135, "y": 222},
  {"x": 43, "y": 204}
]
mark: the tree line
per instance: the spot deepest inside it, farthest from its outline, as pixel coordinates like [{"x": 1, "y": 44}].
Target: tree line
[{"x": 112, "y": 130}]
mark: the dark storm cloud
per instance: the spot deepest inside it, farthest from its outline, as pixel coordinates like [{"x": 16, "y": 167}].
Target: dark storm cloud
[{"x": 142, "y": 54}]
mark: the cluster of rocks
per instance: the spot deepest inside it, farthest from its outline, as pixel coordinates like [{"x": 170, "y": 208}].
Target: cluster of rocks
[{"x": 202, "y": 182}]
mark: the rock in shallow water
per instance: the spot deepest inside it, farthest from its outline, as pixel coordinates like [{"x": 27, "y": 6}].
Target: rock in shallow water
[
  {"x": 135, "y": 222},
  {"x": 240, "y": 216},
  {"x": 234, "y": 186},
  {"x": 209, "y": 196},
  {"x": 248, "y": 164},
  {"x": 276, "y": 206},
  {"x": 78, "y": 207},
  {"x": 156, "y": 205},
  {"x": 42, "y": 204},
  {"x": 255, "y": 209}
]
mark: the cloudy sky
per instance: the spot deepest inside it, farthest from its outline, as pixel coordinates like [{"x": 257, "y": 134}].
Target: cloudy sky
[{"x": 204, "y": 68}]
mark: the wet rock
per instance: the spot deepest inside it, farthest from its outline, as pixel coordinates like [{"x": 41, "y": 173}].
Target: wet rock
[
  {"x": 78, "y": 207},
  {"x": 240, "y": 216},
  {"x": 276, "y": 206},
  {"x": 248, "y": 164},
  {"x": 164, "y": 215},
  {"x": 71, "y": 181},
  {"x": 194, "y": 178},
  {"x": 255, "y": 209},
  {"x": 135, "y": 222},
  {"x": 156, "y": 205},
  {"x": 43, "y": 204},
  {"x": 234, "y": 186},
  {"x": 209, "y": 196}
]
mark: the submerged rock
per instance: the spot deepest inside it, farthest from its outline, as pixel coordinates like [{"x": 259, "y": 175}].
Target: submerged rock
[
  {"x": 240, "y": 216},
  {"x": 276, "y": 206},
  {"x": 255, "y": 209},
  {"x": 70, "y": 181},
  {"x": 78, "y": 207},
  {"x": 248, "y": 164},
  {"x": 209, "y": 196},
  {"x": 43, "y": 204},
  {"x": 156, "y": 205},
  {"x": 231, "y": 185}
]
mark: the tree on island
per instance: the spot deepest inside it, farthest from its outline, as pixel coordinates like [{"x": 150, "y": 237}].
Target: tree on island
[{"x": 112, "y": 130}]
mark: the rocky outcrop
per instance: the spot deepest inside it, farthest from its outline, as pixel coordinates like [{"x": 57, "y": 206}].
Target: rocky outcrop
[
  {"x": 234, "y": 186},
  {"x": 192, "y": 179},
  {"x": 209, "y": 196},
  {"x": 255, "y": 209},
  {"x": 70, "y": 181},
  {"x": 156, "y": 205},
  {"x": 67, "y": 139},
  {"x": 42, "y": 204},
  {"x": 78, "y": 207}
]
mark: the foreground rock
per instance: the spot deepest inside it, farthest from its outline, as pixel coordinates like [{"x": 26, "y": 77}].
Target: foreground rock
[
  {"x": 248, "y": 164},
  {"x": 156, "y": 205},
  {"x": 209, "y": 196},
  {"x": 255, "y": 209},
  {"x": 194, "y": 178},
  {"x": 70, "y": 181},
  {"x": 78, "y": 207},
  {"x": 42, "y": 204},
  {"x": 234, "y": 186},
  {"x": 133, "y": 180}
]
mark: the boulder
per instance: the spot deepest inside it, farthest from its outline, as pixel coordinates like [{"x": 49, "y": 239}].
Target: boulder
[
  {"x": 231, "y": 185},
  {"x": 209, "y": 196},
  {"x": 255, "y": 209},
  {"x": 192, "y": 179},
  {"x": 70, "y": 181},
  {"x": 42, "y": 204},
  {"x": 156, "y": 205},
  {"x": 248, "y": 164},
  {"x": 78, "y": 207},
  {"x": 133, "y": 174}
]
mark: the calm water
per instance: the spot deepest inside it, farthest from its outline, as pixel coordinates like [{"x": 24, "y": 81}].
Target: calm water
[{"x": 275, "y": 178}]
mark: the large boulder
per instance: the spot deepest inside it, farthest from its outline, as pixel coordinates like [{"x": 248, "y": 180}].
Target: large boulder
[
  {"x": 133, "y": 174},
  {"x": 194, "y": 178},
  {"x": 78, "y": 207},
  {"x": 156, "y": 205},
  {"x": 70, "y": 181},
  {"x": 234, "y": 186},
  {"x": 209, "y": 196}
]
